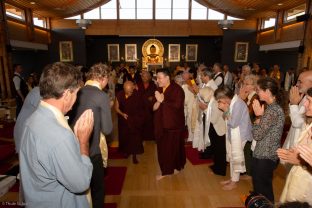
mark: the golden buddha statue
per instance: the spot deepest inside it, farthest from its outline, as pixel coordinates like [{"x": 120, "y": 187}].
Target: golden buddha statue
[{"x": 152, "y": 57}]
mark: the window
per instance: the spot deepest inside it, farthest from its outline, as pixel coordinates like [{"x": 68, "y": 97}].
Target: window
[
  {"x": 233, "y": 18},
  {"x": 199, "y": 12},
  {"x": 291, "y": 14},
  {"x": 127, "y": 9},
  {"x": 144, "y": 9},
  {"x": 39, "y": 20},
  {"x": 14, "y": 12},
  {"x": 93, "y": 14},
  {"x": 109, "y": 10},
  {"x": 74, "y": 17},
  {"x": 180, "y": 9},
  {"x": 163, "y": 9},
  {"x": 268, "y": 23},
  {"x": 214, "y": 15}
]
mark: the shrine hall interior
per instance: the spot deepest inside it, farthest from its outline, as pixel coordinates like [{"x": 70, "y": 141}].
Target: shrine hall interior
[{"x": 151, "y": 34}]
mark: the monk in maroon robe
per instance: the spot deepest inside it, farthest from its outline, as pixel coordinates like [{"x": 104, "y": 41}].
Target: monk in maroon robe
[
  {"x": 129, "y": 107},
  {"x": 147, "y": 89},
  {"x": 169, "y": 124}
]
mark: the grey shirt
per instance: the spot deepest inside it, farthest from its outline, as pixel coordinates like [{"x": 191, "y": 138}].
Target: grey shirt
[
  {"x": 268, "y": 132},
  {"x": 240, "y": 118},
  {"x": 53, "y": 172},
  {"x": 30, "y": 104}
]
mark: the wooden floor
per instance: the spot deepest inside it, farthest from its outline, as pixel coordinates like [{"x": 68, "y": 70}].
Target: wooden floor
[{"x": 194, "y": 187}]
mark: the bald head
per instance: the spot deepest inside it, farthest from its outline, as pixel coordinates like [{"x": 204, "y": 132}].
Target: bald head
[
  {"x": 128, "y": 88},
  {"x": 304, "y": 81}
]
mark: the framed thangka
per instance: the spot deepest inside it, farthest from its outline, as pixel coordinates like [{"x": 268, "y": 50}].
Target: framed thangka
[
  {"x": 191, "y": 52},
  {"x": 131, "y": 52},
  {"x": 241, "y": 52},
  {"x": 113, "y": 52},
  {"x": 174, "y": 53},
  {"x": 66, "y": 51}
]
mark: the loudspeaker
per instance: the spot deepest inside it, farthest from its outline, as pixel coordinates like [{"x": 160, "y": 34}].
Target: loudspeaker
[
  {"x": 301, "y": 49},
  {"x": 303, "y": 17}
]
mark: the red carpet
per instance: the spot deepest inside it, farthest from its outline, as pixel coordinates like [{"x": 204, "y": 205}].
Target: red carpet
[
  {"x": 114, "y": 180},
  {"x": 193, "y": 156},
  {"x": 6, "y": 151},
  {"x": 6, "y": 129},
  {"x": 113, "y": 153},
  {"x": 110, "y": 205}
]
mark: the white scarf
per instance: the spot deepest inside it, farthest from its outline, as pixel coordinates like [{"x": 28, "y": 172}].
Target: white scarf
[{"x": 234, "y": 146}]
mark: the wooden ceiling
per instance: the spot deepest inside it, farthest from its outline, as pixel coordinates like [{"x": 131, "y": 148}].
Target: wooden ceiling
[
  {"x": 250, "y": 9},
  {"x": 247, "y": 9},
  {"x": 58, "y": 8}
]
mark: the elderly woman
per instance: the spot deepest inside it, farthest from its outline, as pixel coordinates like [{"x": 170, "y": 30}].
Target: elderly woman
[
  {"x": 299, "y": 180},
  {"x": 238, "y": 132},
  {"x": 248, "y": 93},
  {"x": 267, "y": 131}
]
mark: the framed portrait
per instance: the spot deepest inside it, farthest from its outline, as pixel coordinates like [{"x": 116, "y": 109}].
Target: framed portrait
[
  {"x": 131, "y": 52},
  {"x": 241, "y": 52},
  {"x": 174, "y": 53},
  {"x": 113, "y": 52},
  {"x": 66, "y": 51},
  {"x": 191, "y": 52}
]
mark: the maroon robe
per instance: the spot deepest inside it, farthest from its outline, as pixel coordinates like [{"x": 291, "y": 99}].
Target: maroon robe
[
  {"x": 130, "y": 130},
  {"x": 169, "y": 128},
  {"x": 147, "y": 95}
]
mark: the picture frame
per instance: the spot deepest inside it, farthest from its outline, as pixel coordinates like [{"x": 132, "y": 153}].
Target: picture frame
[
  {"x": 113, "y": 52},
  {"x": 241, "y": 52},
  {"x": 131, "y": 52},
  {"x": 66, "y": 51},
  {"x": 191, "y": 52},
  {"x": 174, "y": 53}
]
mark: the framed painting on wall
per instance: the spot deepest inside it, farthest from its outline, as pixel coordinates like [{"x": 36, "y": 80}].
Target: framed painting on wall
[
  {"x": 113, "y": 52},
  {"x": 241, "y": 52},
  {"x": 191, "y": 52},
  {"x": 174, "y": 53},
  {"x": 66, "y": 51},
  {"x": 131, "y": 52}
]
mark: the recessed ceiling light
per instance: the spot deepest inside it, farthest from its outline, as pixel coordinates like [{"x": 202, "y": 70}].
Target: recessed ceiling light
[
  {"x": 32, "y": 2},
  {"x": 280, "y": 4}
]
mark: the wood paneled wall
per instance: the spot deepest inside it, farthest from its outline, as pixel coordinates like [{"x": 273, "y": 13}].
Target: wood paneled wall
[
  {"x": 153, "y": 28},
  {"x": 18, "y": 31},
  {"x": 287, "y": 33}
]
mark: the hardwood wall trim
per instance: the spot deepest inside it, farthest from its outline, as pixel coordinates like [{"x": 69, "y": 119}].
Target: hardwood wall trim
[
  {"x": 287, "y": 32},
  {"x": 153, "y": 27}
]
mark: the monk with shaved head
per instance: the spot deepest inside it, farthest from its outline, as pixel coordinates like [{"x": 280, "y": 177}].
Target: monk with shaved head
[
  {"x": 129, "y": 107},
  {"x": 297, "y": 97}
]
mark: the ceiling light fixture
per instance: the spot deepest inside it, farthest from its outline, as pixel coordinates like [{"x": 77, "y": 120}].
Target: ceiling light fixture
[
  {"x": 225, "y": 24},
  {"x": 32, "y": 2},
  {"x": 83, "y": 23}
]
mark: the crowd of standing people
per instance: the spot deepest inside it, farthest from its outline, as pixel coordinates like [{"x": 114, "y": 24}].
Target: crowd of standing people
[{"x": 235, "y": 117}]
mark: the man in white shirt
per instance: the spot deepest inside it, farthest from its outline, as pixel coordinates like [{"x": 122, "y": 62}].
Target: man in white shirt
[
  {"x": 218, "y": 77},
  {"x": 296, "y": 108},
  {"x": 228, "y": 76}
]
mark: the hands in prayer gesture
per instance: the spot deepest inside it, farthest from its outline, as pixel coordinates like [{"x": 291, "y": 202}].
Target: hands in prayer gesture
[
  {"x": 294, "y": 96},
  {"x": 159, "y": 96},
  {"x": 257, "y": 108},
  {"x": 305, "y": 152},
  {"x": 290, "y": 156},
  {"x": 83, "y": 129}
]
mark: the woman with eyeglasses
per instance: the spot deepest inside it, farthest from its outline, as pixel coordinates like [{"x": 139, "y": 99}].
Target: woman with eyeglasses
[{"x": 267, "y": 131}]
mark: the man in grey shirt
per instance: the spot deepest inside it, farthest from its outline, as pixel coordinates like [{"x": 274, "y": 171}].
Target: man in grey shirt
[
  {"x": 54, "y": 161},
  {"x": 30, "y": 104}
]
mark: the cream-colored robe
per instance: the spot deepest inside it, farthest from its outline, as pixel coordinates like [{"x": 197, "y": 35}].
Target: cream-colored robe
[{"x": 299, "y": 180}]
